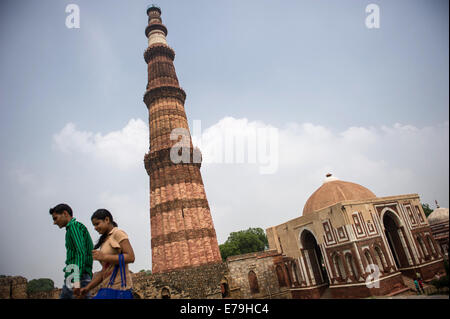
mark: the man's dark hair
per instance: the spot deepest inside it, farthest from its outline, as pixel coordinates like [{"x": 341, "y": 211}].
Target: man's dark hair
[{"x": 60, "y": 208}]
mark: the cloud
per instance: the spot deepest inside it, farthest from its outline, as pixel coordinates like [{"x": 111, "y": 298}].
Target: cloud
[
  {"x": 29, "y": 181},
  {"x": 238, "y": 141},
  {"x": 123, "y": 149},
  {"x": 389, "y": 160}
]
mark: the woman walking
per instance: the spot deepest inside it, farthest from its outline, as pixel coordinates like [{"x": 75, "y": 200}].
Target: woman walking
[{"x": 112, "y": 242}]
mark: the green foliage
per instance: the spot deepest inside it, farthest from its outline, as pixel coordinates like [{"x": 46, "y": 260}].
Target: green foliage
[
  {"x": 244, "y": 241},
  {"x": 38, "y": 285},
  {"x": 441, "y": 282},
  {"x": 147, "y": 272},
  {"x": 427, "y": 209}
]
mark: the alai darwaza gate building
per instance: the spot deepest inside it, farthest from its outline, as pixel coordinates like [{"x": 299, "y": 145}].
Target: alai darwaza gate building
[{"x": 344, "y": 229}]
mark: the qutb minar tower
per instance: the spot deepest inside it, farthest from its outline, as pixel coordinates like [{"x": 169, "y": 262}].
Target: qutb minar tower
[{"x": 182, "y": 230}]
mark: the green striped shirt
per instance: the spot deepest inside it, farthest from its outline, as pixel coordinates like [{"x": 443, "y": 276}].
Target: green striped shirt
[{"x": 79, "y": 248}]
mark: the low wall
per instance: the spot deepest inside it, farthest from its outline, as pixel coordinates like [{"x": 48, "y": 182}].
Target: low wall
[
  {"x": 386, "y": 286},
  {"x": 427, "y": 271},
  {"x": 13, "y": 287},
  {"x": 308, "y": 293},
  {"x": 195, "y": 283}
]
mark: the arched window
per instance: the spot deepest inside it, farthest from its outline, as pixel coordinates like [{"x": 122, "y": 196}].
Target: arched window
[
  {"x": 419, "y": 247},
  {"x": 295, "y": 271},
  {"x": 299, "y": 271},
  {"x": 351, "y": 265},
  {"x": 368, "y": 257},
  {"x": 289, "y": 275},
  {"x": 253, "y": 282},
  {"x": 439, "y": 249},
  {"x": 430, "y": 242},
  {"x": 336, "y": 267},
  {"x": 381, "y": 261},
  {"x": 422, "y": 245},
  {"x": 339, "y": 266},
  {"x": 280, "y": 276}
]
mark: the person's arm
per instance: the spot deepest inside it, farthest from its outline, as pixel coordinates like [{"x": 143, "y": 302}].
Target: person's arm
[
  {"x": 96, "y": 280},
  {"x": 127, "y": 251}
]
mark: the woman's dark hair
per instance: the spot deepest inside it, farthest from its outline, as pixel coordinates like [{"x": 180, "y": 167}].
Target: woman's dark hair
[
  {"x": 60, "y": 208},
  {"x": 102, "y": 214}
]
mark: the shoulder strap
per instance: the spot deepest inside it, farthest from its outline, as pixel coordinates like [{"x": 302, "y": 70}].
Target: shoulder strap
[
  {"x": 113, "y": 276},
  {"x": 123, "y": 276},
  {"x": 121, "y": 267}
]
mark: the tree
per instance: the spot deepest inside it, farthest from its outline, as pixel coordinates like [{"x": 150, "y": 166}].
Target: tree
[
  {"x": 42, "y": 284},
  {"x": 440, "y": 283},
  {"x": 427, "y": 210},
  {"x": 147, "y": 272},
  {"x": 244, "y": 241}
]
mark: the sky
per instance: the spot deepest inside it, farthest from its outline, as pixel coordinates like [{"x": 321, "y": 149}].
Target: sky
[{"x": 369, "y": 105}]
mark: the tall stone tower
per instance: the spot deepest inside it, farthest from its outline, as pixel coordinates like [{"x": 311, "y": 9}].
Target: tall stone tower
[{"x": 182, "y": 230}]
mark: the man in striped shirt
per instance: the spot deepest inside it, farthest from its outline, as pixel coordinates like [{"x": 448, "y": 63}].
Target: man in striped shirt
[{"x": 79, "y": 246}]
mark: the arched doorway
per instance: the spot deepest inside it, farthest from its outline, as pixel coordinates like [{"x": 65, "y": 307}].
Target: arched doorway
[
  {"x": 339, "y": 267},
  {"x": 313, "y": 254},
  {"x": 225, "y": 289},
  {"x": 280, "y": 276},
  {"x": 165, "y": 293},
  {"x": 351, "y": 266},
  {"x": 253, "y": 282},
  {"x": 395, "y": 239},
  {"x": 379, "y": 256}
]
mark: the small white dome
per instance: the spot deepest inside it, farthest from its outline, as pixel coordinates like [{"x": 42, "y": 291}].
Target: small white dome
[{"x": 439, "y": 215}]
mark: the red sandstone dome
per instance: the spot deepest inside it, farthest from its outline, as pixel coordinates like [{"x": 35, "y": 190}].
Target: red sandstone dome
[{"x": 334, "y": 191}]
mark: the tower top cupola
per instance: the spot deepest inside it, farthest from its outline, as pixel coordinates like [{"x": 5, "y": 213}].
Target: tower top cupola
[{"x": 153, "y": 7}]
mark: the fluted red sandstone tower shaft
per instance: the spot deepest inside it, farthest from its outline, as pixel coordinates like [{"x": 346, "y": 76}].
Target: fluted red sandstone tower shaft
[{"x": 182, "y": 229}]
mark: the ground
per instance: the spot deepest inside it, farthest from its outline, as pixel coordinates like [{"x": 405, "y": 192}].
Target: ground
[{"x": 413, "y": 295}]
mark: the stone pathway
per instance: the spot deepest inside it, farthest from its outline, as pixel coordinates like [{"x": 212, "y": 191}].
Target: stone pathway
[{"x": 407, "y": 296}]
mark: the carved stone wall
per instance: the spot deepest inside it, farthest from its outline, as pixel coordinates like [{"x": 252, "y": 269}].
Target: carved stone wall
[
  {"x": 194, "y": 283},
  {"x": 261, "y": 264}
]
